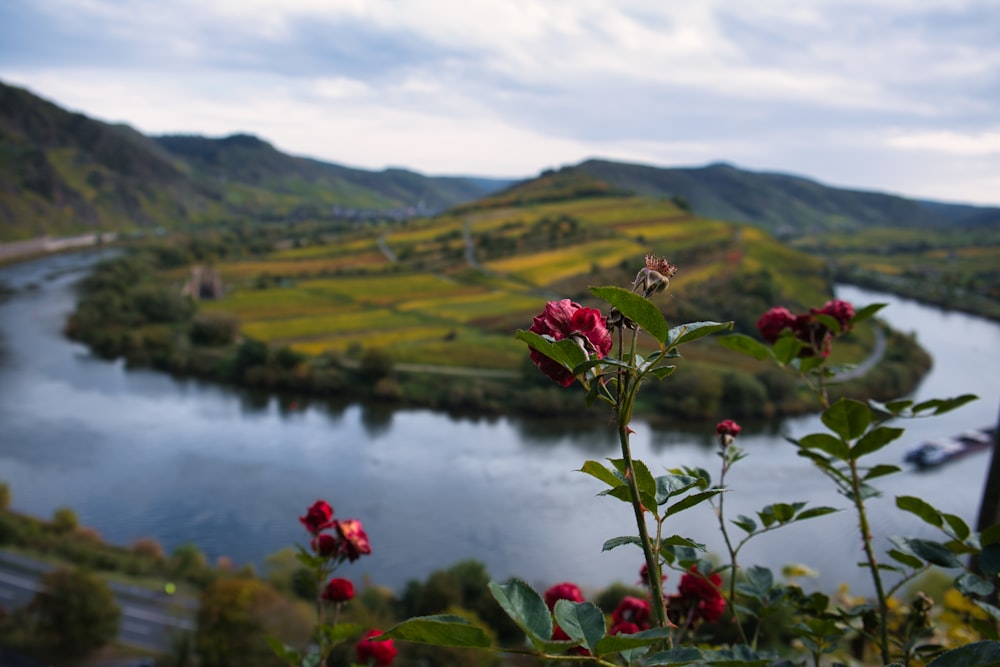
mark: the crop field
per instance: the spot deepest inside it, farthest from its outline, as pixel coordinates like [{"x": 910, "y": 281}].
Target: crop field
[
  {"x": 545, "y": 268},
  {"x": 270, "y": 304},
  {"x": 392, "y": 288},
  {"x": 332, "y": 249}
]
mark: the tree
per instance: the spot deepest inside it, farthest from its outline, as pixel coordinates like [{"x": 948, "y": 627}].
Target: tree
[
  {"x": 76, "y": 611},
  {"x": 234, "y": 617}
]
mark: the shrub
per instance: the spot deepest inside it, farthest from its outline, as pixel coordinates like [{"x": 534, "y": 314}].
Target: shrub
[{"x": 76, "y": 612}]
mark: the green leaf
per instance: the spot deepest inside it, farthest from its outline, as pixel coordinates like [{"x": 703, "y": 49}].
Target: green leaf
[
  {"x": 874, "y": 440},
  {"x": 748, "y": 346},
  {"x": 678, "y": 541},
  {"x": 847, "y": 418},
  {"x": 905, "y": 558},
  {"x": 616, "y": 542},
  {"x": 934, "y": 553},
  {"x": 746, "y": 523},
  {"x": 830, "y": 322},
  {"x": 283, "y": 652},
  {"x": 921, "y": 508},
  {"x": 825, "y": 442},
  {"x": 760, "y": 580},
  {"x": 595, "y": 469},
  {"x": 636, "y": 308},
  {"x": 895, "y": 407},
  {"x": 550, "y": 350},
  {"x": 787, "y": 348},
  {"x": 814, "y": 512},
  {"x": 692, "y": 500},
  {"x": 662, "y": 372},
  {"x": 686, "y": 333},
  {"x": 525, "y": 607},
  {"x": 443, "y": 630},
  {"x": 958, "y": 526},
  {"x": 976, "y": 654},
  {"x": 867, "y": 312},
  {"x": 972, "y": 584},
  {"x": 943, "y": 405},
  {"x": 341, "y": 631},
  {"x": 582, "y": 621},
  {"x": 616, "y": 643},
  {"x": 675, "y": 657},
  {"x": 989, "y": 559},
  {"x": 880, "y": 471},
  {"x": 673, "y": 484},
  {"x": 644, "y": 480}
]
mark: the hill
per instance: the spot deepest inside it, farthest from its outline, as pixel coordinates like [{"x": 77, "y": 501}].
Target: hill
[
  {"x": 786, "y": 205},
  {"x": 65, "y": 173}
]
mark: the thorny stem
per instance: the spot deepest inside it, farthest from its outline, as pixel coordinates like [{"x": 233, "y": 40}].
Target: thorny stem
[{"x": 866, "y": 538}]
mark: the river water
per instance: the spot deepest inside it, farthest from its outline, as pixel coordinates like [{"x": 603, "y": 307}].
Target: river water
[{"x": 140, "y": 454}]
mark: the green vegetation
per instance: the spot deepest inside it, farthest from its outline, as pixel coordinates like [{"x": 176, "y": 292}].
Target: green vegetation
[
  {"x": 76, "y": 612},
  {"x": 441, "y": 297}
]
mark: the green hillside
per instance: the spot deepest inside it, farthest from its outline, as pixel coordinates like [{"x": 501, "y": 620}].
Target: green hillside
[{"x": 63, "y": 173}]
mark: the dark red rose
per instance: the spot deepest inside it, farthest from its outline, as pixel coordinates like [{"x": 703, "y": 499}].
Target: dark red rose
[
  {"x": 842, "y": 311},
  {"x": 728, "y": 427},
  {"x": 338, "y": 590},
  {"x": 773, "y": 322},
  {"x": 644, "y": 575},
  {"x": 370, "y": 651},
  {"x": 325, "y": 544},
  {"x": 564, "y": 591},
  {"x": 354, "y": 541},
  {"x": 702, "y": 595},
  {"x": 623, "y": 628},
  {"x": 632, "y": 610},
  {"x": 318, "y": 517},
  {"x": 559, "y": 635},
  {"x": 567, "y": 319}
]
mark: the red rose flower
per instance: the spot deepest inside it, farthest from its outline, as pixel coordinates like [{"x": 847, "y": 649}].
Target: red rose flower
[
  {"x": 728, "y": 427},
  {"x": 644, "y": 575},
  {"x": 354, "y": 541},
  {"x": 842, "y": 311},
  {"x": 632, "y": 610},
  {"x": 773, "y": 322},
  {"x": 371, "y": 652},
  {"x": 338, "y": 590},
  {"x": 623, "y": 628},
  {"x": 564, "y": 591},
  {"x": 325, "y": 544},
  {"x": 567, "y": 319},
  {"x": 702, "y": 595},
  {"x": 318, "y": 517}
]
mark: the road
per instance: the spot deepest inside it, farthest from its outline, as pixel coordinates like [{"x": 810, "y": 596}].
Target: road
[{"x": 150, "y": 620}]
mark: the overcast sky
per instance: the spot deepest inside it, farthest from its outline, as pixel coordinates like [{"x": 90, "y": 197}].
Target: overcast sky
[{"x": 893, "y": 95}]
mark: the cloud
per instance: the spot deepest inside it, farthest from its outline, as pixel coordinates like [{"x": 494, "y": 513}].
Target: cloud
[{"x": 809, "y": 87}]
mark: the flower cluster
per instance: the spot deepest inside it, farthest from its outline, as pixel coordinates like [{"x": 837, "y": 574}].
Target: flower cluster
[
  {"x": 371, "y": 651},
  {"x": 727, "y": 430},
  {"x": 567, "y": 319},
  {"x": 630, "y": 616},
  {"x": 808, "y": 328},
  {"x": 699, "y": 597},
  {"x": 348, "y": 539}
]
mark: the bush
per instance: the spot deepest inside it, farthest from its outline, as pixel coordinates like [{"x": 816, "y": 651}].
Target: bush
[
  {"x": 214, "y": 329},
  {"x": 76, "y": 612}
]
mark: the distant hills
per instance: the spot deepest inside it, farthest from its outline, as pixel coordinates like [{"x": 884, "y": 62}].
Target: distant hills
[{"x": 64, "y": 173}]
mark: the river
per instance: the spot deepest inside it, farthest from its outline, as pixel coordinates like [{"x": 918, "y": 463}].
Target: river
[{"x": 140, "y": 454}]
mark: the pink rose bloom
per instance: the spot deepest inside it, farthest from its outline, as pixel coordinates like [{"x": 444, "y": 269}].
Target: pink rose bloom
[
  {"x": 728, "y": 427},
  {"x": 842, "y": 311},
  {"x": 567, "y": 319},
  {"x": 354, "y": 540}
]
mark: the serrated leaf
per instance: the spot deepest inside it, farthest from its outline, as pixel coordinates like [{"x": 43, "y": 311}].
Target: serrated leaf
[
  {"x": 906, "y": 559},
  {"x": 644, "y": 480},
  {"x": 616, "y": 542},
  {"x": 787, "y": 348},
  {"x": 525, "y": 607},
  {"x": 814, "y": 512},
  {"x": 669, "y": 485},
  {"x": 636, "y": 308},
  {"x": 748, "y": 346},
  {"x": 874, "y": 440},
  {"x": 582, "y": 621},
  {"x": 977, "y": 654},
  {"x": 760, "y": 578},
  {"x": 686, "y": 333},
  {"x": 678, "y": 541},
  {"x": 616, "y": 643},
  {"x": 825, "y": 442},
  {"x": 661, "y": 372},
  {"x": 847, "y": 418},
  {"x": 595, "y": 469},
  {"x": 561, "y": 354},
  {"x": 442, "y": 630},
  {"x": 921, "y": 508},
  {"x": 746, "y": 523}
]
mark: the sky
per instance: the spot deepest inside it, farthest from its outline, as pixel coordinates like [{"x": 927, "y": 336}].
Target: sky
[{"x": 899, "y": 96}]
